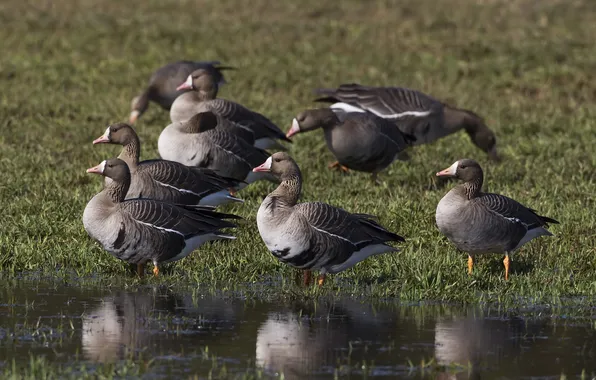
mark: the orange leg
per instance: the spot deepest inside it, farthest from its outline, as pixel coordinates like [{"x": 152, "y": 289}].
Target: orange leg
[
  {"x": 321, "y": 280},
  {"x": 337, "y": 165},
  {"x": 470, "y": 264},
  {"x": 506, "y": 262},
  {"x": 155, "y": 270},
  {"x": 232, "y": 191}
]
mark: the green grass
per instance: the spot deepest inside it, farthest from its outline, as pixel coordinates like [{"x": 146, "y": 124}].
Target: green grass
[{"x": 69, "y": 68}]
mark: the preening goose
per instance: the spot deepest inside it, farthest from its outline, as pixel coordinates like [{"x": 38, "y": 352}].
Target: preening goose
[
  {"x": 203, "y": 99},
  {"x": 142, "y": 230},
  {"x": 163, "y": 180},
  {"x": 198, "y": 142},
  {"x": 361, "y": 141},
  {"x": 314, "y": 235},
  {"x": 163, "y": 82},
  {"x": 477, "y": 222},
  {"x": 413, "y": 112}
]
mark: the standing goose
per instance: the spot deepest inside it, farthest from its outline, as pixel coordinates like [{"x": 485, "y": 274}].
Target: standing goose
[
  {"x": 361, "y": 141},
  {"x": 142, "y": 230},
  {"x": 198, "y": 142},
  {"x": 203, "y": 98},
  {"x": 163, "y": 180},
  {"x": 477, "y": 222},
  {"x": 314, "y": 235},
  {"x": 413, "y": 112},
  {"x": 163, "y": 82}
]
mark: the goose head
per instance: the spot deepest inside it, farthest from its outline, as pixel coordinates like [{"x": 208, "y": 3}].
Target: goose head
[{"x": 312, "y": 119}]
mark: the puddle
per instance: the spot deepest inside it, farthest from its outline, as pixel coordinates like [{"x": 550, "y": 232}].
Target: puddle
[{"x": 183, "y": 334}]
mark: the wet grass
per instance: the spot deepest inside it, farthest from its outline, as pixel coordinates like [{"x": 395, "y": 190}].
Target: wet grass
[{"x": 70, "y": 68}]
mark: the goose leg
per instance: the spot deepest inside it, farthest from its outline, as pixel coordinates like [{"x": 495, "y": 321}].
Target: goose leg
[
  {"x": 141, "y": 269},
  {"x": 506, "y": 262},
  {"x": 337, "y": 165},
  {"x": 155, "y": 270},
  {"x": 321, "y": 279},
  {"x": 306, "y": 278},
  {"x": 232, "y": 191},
  {"x": 470, "y": 263},
  {"x": 374, "y": 178}
]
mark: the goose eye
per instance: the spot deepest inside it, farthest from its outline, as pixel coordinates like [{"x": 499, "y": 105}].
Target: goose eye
[
  {"x": 277, "y": 160},
  {"x": 462, "y": 166}
]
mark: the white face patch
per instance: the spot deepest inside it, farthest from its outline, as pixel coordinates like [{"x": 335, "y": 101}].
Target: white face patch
[
  {"x": 295, "y": 126},
  {"x": 106, "y": 134},
  {"x": 267, "y": 164},
  {"x": 189, "y": 81},
  {"x": 453, "y": 168},
  {"x": 102, "y": 166}
]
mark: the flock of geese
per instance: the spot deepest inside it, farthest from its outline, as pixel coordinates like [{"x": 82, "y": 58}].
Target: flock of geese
[{"x": 161, "y": 210}]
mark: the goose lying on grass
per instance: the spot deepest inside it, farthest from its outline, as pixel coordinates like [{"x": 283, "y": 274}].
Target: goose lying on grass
[{"x": 203, "y": 98}]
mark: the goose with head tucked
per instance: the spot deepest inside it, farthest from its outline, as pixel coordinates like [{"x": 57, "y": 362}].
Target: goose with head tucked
[
  {"x": 198, "y": 142},
  {"x": 360, "y": 141},
  {"x": 204, "y": 98},
  {"x": 162, "y": 86},
  {"x": 166, "y": 180},
  {"x": 141, "y": 230},
  {"x": 477, "y": 222},
  {"x": 414, "y": 113},
  {"x": 315, "y": 235}
]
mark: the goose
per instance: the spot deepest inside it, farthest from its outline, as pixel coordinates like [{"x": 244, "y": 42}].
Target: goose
[
  {"x": 141, "y": 230},
  {"x": 163, "y": 82},
  {"x": 198, "y": 142},
  {"x": 203, "y": 98},
  {"x": 164, "y": 180},
  {"x": 414, "y": 113},
  {"x": 315, "y": 235},
  {"x": 477, "y": 222},
  {"x": 361, "y": 141}
]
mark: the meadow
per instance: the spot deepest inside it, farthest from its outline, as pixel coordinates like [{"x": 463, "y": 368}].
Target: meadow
[{"x": 69, "y": 68}]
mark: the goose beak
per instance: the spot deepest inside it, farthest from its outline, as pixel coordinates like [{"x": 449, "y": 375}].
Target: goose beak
[
  {"x": 134, "y": 115},
  {"x": 449, "y": 172},
  {"x": 493, "y": 155},
  {"x": 264, "y": 167},
  {"x": 97, "y": 169},
  {"x": 105, "y": 138},
  {"x": 186, "y": 85},
  {"x": 295, "y": 128}
]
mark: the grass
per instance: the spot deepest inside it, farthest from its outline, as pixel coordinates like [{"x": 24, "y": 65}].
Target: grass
[{"x": 69, "y": 68}]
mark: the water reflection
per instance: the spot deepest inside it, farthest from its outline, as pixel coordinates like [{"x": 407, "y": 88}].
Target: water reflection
[{"x": 299, "y": 339}]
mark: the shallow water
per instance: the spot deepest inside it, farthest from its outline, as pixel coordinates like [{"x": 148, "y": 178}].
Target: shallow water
[{"x": 195, "y": 333}]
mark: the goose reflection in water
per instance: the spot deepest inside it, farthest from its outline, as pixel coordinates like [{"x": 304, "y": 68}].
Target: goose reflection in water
[
  {"x": 479, "y": 344},
  {"x": 115, "y": 326},
  {"x": 132, "y": 322},
  {"x": 301, "y": 344}
]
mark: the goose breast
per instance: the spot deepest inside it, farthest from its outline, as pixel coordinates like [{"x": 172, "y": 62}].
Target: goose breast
[{"x": 282, "y": 231}]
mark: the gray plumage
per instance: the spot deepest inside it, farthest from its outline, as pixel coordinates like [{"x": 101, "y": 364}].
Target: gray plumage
[
  {"x": 141, "y": 230},
  {"x": 315, "y": 235},
  {"x": 204, "y": 99},
  {"x": 413, "y": 112},
  {"x": 199, "y": 143},
  {"x": 161, "y": 88},
  {"x": 477, "y": 222},
  {"x": 167, "y": 180},
  {"x": 361, "y": 141}
]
